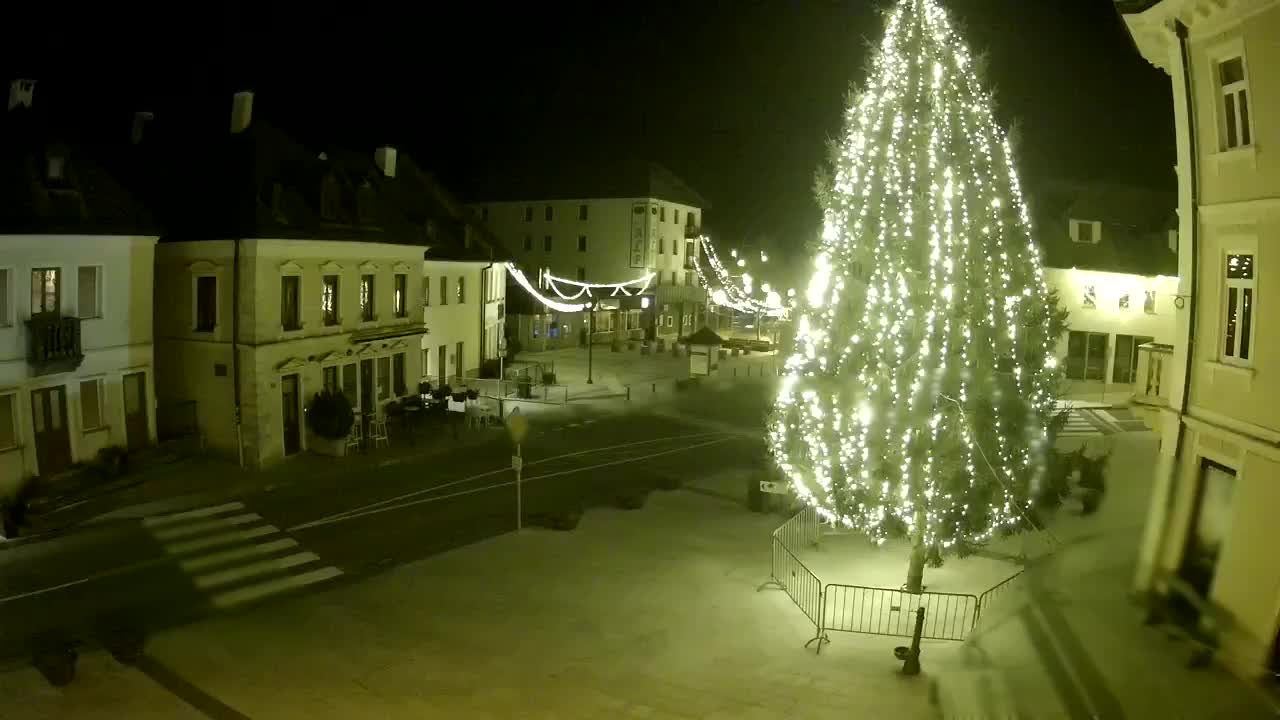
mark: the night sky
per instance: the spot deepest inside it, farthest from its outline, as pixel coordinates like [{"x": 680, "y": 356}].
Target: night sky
[{"x": 738, "y": 98}]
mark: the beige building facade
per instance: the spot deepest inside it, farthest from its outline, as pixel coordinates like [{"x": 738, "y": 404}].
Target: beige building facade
[{"x": 1211, "y": 527}]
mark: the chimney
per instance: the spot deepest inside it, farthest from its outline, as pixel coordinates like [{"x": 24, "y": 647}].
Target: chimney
[
  {"x": 140, "y": 120},
  {"x": 241, "y": 111},
  {"x": 20, "y": 93},
  {"x": 385, "y": 157}
]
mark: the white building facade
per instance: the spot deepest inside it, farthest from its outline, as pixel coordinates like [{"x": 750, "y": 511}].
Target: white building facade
[
  {"x": 463, "y": 305},
  {"x": 1211, "y": 529},
  {"x": 76, "y": 371}
]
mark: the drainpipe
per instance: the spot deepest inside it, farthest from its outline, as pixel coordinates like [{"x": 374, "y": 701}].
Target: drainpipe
[
  {"x": 235, "y": 345},
  {"x": 484, "y": 304},
  {"x": 1193, "y": 175}
]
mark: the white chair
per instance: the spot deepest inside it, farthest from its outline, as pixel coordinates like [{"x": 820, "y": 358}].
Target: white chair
[
  {"x": 354, "y": 438},
  {"x": 378, "y": 431}
]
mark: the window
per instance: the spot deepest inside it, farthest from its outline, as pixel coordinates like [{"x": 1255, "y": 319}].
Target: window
[
  {"x": 1149, "y": 302},
  {"x": 91, "y": 405},
  {"x": 402, "y": 295},
  {"x": 688, "y": 279},
  {"x": 662, "y": 214},
  {"x": 462, "y": 289},
  {"x": 55, "y": 167},
  {"x": 1123, "y": 304},
  {"x": 582, "y": 212},
  {"x": 528, "y": 213},
  {"x": 349, "y": 384},
  {"x": 397, "y": 373},
  {"x": 673, "y": 278},
  {"x": 329, "y": 299},
  {"x": 366, "y": 298},
  {"x": 330, "y": 375},
  {"x": 675, "y": 216},
  {"x": 1090, "y": 298},
  {"x": 89, "y": 291},
  {"x": 384, "y": 378},
  {"x": 662, "y": 246},
  {"x": 8, "y": 425},
  {"x": 1086, "y": 232},
  {"x": 46, "y": 290},
  {"x": 444, "y": 289},
  {"x": 206, "y": 303},
  {"x": 528, "y": 242},
  {"x": 4, "y": 298},
  {"x": 546, "y": 243},
  {"x": 1236, "y": 127},
  {"x": 1238, "y": 325},
  {"x": 290, "y": 319},
  {"x": 692, "y": 220},
  {"x": 582, "y": 243},
  {"x": 1086, "y": 355},
  {"x": 426, "y": 290},
  {"x": 582, "y": 274},
  {"x": 670, "y": 320},
  {"x": 546, "y": 213}
]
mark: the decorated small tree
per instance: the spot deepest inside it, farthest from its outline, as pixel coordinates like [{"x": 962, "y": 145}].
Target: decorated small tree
[{"x": 917, "y": 402}]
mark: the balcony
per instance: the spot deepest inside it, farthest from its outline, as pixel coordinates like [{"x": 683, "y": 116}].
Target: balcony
[
  {"x": 53, "y": 343},
  {"x": 1154, "y": 378}
]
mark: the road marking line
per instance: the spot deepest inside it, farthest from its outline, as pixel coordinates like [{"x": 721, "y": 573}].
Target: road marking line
[
  {"x": 353, "y": 515},
  {"x": 222, "y": 577},
  {"x": 499, "y": 471},
  {"x": 42, "y": 591},
  {"x": 182, "y": 531},
  {"x": 157, "y": 520},
  {"x": 239, "y": 596},
  {"x": 205, "y": 543},
  {"x": 226, "y": 556}
]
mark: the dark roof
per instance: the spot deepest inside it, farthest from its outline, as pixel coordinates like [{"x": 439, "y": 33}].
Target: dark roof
[
  {"x": 1129, "y": 7},
  {"x": 589, "y": 178},
  {"x": 424, "y": 200},
  {"x": 1135, "y": 227},
  {"x": 86, "y": 199},
  {"x": 704, "y": 336}
]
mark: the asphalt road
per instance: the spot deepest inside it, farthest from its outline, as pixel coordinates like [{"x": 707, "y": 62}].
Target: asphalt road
[{"x": 307, "y": 535}]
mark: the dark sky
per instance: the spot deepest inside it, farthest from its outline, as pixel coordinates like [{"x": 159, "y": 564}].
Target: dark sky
[{"x": 736, "y": 97}]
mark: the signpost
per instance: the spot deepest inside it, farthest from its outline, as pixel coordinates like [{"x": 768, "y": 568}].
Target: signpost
[
  {"x": 773, "y": 488},
  {"x": 518, "y": 427}
]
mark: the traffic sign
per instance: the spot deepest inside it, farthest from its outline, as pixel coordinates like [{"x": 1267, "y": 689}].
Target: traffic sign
[
  {"x": 516, "y": 463},
  {"x": 517, "y": 425},
  {"x": 773, "y": 488}
]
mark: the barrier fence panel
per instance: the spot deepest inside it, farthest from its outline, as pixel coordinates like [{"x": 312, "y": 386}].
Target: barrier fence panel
[
  {"x": 999, "y": 595},
  {"x": 798, "y": 582},
  {"x": 800, "y": 530},
  {"x": 881, "y": 611}
]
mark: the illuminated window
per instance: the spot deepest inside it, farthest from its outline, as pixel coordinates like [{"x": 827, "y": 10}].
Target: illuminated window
[
  {"x": 366, "y": 298},
  {"x": 1237, "y": 326},
  {"x": 1090, "y": 298},
  {"x": 401, "y": 295},
  {"x": 329, "y": 300},
  {"x": 46, "y": 290},
  {"x": 462, "y": 289}
]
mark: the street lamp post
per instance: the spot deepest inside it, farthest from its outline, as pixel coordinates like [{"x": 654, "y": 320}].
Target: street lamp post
[{"x": 591, "y": 331}]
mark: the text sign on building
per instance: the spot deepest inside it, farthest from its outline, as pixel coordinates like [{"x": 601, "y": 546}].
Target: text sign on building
[{"x": 639, "y": 235}]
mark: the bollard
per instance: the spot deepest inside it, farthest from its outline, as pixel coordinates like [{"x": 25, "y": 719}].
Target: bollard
[{"x": 911, "y": 664}]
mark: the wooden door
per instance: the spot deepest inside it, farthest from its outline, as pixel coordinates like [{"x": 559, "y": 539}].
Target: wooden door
[
  {"x": 136, "y": 426},
  {"x": 53, "y": 439},
  {"x": 290, "y": 414}
]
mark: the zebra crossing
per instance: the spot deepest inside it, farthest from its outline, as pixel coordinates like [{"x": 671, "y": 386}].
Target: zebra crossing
[
  {"x": 235, "y": 556},
  {"x": 1085, "y": 422}
]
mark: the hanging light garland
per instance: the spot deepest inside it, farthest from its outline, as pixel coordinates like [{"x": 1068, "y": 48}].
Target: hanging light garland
[
  {"x": 727, "y": 292},
  {"x": 628, "y": 288}
]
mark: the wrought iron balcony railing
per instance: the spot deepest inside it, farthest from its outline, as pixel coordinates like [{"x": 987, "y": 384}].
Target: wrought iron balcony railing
[{"x": 53, "y": 343}]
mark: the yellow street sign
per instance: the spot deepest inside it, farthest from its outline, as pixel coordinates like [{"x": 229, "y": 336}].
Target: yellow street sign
[{"x": 517, "y": 425}]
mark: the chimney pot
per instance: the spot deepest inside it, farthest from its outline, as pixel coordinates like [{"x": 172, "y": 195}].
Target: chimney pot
[
  {"x": 241, "y": 111},
  {"x": 20, "y": 92},
  {"x": 385, "y": 157}
]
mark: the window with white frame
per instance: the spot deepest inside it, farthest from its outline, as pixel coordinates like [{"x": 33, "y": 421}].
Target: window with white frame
[
  {"x": 8, "y": 421},
  {"x": 461, "y": 288},
  {"x": 1238, "y": 305},
  {"x": 6, "y": 318},
  {"x": 91, "y": 416},
  {"x": 1088, "y": 232},
  {"x": 384, "y": 378},
  {"x": 89, "y": 291},
  {"x": 1233, "y": 83},
  {"x": 46, "y": 290}
]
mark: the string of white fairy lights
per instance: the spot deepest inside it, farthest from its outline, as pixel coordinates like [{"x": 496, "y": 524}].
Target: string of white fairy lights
[
  {"x": 730, "y": 293},
  {"x": 627, "y": 288}
]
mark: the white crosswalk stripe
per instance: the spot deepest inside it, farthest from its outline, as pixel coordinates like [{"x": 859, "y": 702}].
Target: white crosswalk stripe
[{"x": 235, "y": 555}]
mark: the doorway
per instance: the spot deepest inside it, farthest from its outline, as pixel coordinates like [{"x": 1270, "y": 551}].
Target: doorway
[
  {"x": 53, "y": 439},
  {"x": 1210, "y": 523},
  {"x": 458, "y": 368},
  {"x": 136, "y": 426},
  {"x": 1125, "y": 368},
  {"x": 442, "y": 356},
  {"x": 290, "y": 414},
  {"x": 1086, "y": 355}
]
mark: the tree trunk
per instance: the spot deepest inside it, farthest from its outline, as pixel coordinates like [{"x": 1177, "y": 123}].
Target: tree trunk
[{"x": 915, "y": 570}]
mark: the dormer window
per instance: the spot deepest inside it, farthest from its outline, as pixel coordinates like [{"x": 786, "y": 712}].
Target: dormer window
[
  {"x": 1086, "y": 232},
  {"x": 55, "y": 169}
]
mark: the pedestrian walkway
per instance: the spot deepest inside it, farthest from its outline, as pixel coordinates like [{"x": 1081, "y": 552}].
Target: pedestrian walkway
[{"x": 234, "y": 556}]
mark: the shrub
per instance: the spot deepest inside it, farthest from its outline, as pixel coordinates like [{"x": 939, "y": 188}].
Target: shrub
[
  {"x": 330, "y": 415},
  {"x": 112, "y": 461},
  {"x": 472, "y": 394},
  {"x": 632, "y": 499},
  {"x": 513, "y": 348}
]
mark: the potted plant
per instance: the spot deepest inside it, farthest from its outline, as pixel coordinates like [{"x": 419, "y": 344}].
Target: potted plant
[
  {"x": 329, "y": 419},
  {"x": 473, "y": 394}
]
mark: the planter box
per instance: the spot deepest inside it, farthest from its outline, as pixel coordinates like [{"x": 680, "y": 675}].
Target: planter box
[{"x": 326, "y": 446}]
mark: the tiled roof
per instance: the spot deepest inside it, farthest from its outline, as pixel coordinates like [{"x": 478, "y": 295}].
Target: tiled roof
[
  {"x": 588, "y": 178},
  {"x": 1135, "y": 227}
]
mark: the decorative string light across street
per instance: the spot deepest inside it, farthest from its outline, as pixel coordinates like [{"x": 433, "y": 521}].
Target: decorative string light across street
[{"x": 590, "y": 291}]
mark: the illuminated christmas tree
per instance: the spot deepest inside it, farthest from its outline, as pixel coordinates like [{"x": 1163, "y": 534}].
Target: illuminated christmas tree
[{"x": 923, "y": 383}]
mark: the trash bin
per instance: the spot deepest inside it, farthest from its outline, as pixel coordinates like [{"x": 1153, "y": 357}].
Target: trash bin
[{"x": 524, "y": 387}]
